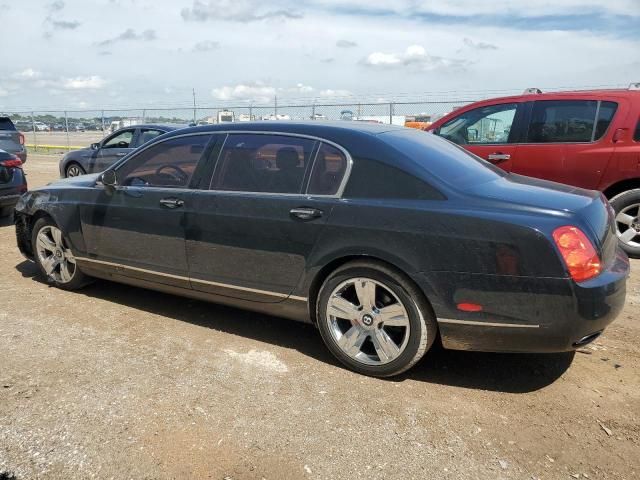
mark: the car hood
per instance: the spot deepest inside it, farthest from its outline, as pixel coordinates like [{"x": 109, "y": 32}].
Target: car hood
[
  {"x": 80, "y": 181},
  {"x": 535, "y": 193}
]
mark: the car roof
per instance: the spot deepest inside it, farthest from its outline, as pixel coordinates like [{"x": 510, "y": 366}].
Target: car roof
[{"x": 583, "y": 94}]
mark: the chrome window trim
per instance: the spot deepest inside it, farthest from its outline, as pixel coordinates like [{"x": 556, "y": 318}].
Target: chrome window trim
[
  {"x": 338, "y": 194},
  {"x": 189, "y": 279},
  {"x": 343, "y": 182}
]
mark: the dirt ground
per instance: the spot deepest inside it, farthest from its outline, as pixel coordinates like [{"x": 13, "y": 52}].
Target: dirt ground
[{"x": 119, "y": 382}]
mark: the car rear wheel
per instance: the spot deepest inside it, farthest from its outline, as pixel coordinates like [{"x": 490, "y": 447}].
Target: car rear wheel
[
  {"x": 74, "y": 170},
  {"x": 374, "y": 320},
  {"x": 627, "y": 208},
  {"x": 54, "y": 257}
]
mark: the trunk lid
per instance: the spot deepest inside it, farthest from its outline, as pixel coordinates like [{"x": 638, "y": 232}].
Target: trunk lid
[{"x": 9, "y": 136}]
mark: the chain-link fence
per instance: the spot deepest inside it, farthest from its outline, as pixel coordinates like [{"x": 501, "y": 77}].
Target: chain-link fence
[{"x": 68, "y": 130}]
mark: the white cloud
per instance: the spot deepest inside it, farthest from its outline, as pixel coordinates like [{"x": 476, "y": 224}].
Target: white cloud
[
  {"x": 335, "y": 93},
  {"x": 3, "y": 92},
  {"x": 28, "y": 73},
  {"x": 205, "y": 46},
  {"x": 257, "y": 92},
  {"x": 236, "y": 11},
  {"x": 415, "y": 56},
  {"x": 93, "y": 82}
]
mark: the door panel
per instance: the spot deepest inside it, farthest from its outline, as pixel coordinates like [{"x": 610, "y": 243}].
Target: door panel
[{"x": 129, "y": 226}]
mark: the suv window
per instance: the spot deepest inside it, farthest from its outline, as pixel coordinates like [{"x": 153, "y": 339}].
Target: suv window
[
  {"x": 484, "y": 125},
  {"x": 263, "y": 163},
  {"x": 6, "y": 124},
  {"x": 167, "y": 164},
  {"x": 147, "y": 134},
  {"x": 605, "y": 115},
  {"x": 121, "y": 140},
  {"x": 636, "y": 136},
  {"x": 328, "y": 171},
  {"x": 562, "y": 121}
]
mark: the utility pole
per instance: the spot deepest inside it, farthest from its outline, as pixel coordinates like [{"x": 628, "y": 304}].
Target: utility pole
[
  {"x": 193, "y": 90},
  {"x": 275, "y": 104}
]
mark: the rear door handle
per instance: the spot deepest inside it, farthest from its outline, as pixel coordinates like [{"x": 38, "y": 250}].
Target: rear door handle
[
  {"x": 498, "y": 157},
  {"x": 305, "y": 213},
  {"x": 171, "y": 202}
]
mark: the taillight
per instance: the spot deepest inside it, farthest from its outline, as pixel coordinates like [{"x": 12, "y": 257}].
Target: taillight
[
  {"x": 11, "y": 163},
  {"x": 21, "y": 138},
  {"x": 578, "y": 253}
]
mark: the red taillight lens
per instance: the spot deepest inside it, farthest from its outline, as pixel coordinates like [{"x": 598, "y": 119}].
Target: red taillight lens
[
  {"x": 11, "y": 163},
  {"x": 21, "y": 138},
  {"x": 578, "y": 253}
]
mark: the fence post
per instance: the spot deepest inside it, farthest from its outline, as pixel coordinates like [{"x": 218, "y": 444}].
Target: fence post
[
  {"x": 313, "y": 110},
  {"x": 359, "y": 112},
  {"x": 391, "y": 113},
  {"x": 102, "y": 116},
  {"x": 66, "y": 129},
  {"x": 275, "y": 106},
  {"x": 35, "y": 138},
  {"x": 144, "y": 115}
]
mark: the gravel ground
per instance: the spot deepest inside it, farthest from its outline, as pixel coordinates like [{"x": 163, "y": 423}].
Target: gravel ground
[{"x": 119, "y": 382}]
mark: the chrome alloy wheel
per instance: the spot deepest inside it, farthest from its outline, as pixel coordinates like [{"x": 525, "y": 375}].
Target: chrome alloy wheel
[
  {"x": 74, "y": 171},
  {"x": 55, "y": 257},
  {"x": 628, "y": 225},
  {"x": 368, "y": 321}
]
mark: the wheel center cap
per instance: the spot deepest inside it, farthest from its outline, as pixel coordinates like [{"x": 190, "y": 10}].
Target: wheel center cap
[
  {"x": 367, "y": 320},
  {"x": 59, "y": 253}
]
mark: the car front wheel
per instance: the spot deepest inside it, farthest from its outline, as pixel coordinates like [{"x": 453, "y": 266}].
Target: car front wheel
[
  {"x": 374, "y": 320},
  {"x": 74, "y": 170},
  {"x": 54, "y": 257},
  {"x": 627, "y": 208}
]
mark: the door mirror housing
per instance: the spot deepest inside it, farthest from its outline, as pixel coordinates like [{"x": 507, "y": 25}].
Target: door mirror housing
[
  {"x": 95, "y": 146},
  {"x": 109, "y": 178}
]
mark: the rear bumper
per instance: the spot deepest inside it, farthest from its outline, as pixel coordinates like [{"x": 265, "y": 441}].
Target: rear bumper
[
  {"x": 529, "y": 315},
  {"x": 8, "y": 200}
]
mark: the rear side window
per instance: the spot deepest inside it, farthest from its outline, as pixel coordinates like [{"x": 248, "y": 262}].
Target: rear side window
[
  {"x": 605, "y": 114},
  {"x": 562, "y": 121},
  {"x": 328, "y": 171},
  {"x": 169, "y": 164},
  {"x": 636, "y": 136},
  {"x": 6, "y": 124},
  {"x": 263, "y": 163}
]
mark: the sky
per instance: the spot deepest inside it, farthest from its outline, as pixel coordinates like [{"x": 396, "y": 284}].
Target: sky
[{"x": 79, "y": 54}]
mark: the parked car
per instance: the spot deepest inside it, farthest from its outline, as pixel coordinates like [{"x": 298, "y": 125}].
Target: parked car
[
  {"x": 41, "y": 127},
  {"x": 13, "y": 182},
  {"x": 589, "y": 139},
  {"x": 11, "y": 140},
  {"x": 100, "y": 156},
  {"x": 382, "y": 236}
]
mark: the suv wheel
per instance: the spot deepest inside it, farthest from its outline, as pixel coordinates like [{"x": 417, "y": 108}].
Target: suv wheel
[
  {"x": 74, "y": 170},
  {"x": 54, "y": 257},
  {"x": 627, "y": 208},
  {"x": 374, "y": 320}
]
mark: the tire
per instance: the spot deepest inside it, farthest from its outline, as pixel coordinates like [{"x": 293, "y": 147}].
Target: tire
[
  {"x": 60, "y": 270},
  {"x": 74, "y": 169},
  {"x": 627, "y": 208},
  {"x": 367, "y": 342}
]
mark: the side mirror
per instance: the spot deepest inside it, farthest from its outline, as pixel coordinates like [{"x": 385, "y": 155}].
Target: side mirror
[
  {"x": 95, "y": 146},
  {"x": 109, "y": 178}
]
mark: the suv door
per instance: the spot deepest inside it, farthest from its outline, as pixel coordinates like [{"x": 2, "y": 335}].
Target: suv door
[
  {"x": 250, "y": 234},
  {"x": 566, "y": 141},
  {"x": 137, "y": 229},
  {"x": 490, "y": 131},
  {"x": 113, "y": 148}
]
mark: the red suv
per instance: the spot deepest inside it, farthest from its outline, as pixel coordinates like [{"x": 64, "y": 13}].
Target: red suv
[{"x": 590, "y": 139}]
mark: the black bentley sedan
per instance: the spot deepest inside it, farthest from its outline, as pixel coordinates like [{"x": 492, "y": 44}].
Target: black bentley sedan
[{"x": 385, "y": 238}]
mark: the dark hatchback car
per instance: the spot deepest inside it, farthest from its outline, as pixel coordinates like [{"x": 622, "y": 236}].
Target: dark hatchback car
[
  {"x": 100, "y": 156},
  {"x": 13, "y": 182},
  {"x": 384, "y": 237}
]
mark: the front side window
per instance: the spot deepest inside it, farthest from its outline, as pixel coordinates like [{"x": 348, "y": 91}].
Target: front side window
[
  {"x": 169, "y": 164},
  {"x": 263, "y": 163},
  {"x": 605, "y": 114},
  {"x": 565, "y": 121},
  {"x": 328, "y": 171},
  {"x": 121, "y": 140},
  {"x": 485, "y": 125}
]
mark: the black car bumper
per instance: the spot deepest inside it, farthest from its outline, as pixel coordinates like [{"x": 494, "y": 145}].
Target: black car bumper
[{"x": 527, "y": 315}]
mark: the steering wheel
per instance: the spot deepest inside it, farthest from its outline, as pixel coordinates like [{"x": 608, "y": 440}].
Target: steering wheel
[{"x": 177, "y": 173}]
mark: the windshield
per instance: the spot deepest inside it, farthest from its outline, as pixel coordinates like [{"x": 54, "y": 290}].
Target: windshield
[
  {"x": 6, "y": 124},
  {"x": 446, "y": 161}
]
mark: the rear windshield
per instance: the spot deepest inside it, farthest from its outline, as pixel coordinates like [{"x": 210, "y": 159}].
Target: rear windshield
[
  {"x": 6, "y": 124},
  {"x": 441, "y": 158}
]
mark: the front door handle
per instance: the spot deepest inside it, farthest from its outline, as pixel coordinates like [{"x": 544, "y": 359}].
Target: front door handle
[
  {"x": 305, "y": 213},
  {"x": 498, "y": 157},
  {"x": 171, "y": 202}
]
